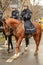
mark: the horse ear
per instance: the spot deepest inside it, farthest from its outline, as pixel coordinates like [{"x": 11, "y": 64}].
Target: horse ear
[{"x": 3, "y": 20}]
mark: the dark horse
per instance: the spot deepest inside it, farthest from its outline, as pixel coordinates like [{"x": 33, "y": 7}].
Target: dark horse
[
  {"x": 9, "y": 37},
  {"x": 18, "y": 32}
]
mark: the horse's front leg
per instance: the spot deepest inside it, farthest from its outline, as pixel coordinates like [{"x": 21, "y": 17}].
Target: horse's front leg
[
  {"x": 8, "y": 43},
  {"x": 17, "y": 49},
  {"x": 8, "y": 47}
]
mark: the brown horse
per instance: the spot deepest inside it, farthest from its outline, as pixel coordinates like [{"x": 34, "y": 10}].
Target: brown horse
[{"x": 18, "y": 32}]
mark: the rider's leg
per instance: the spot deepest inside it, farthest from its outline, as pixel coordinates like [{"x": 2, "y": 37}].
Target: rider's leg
[{"x": 27, "y": 42}]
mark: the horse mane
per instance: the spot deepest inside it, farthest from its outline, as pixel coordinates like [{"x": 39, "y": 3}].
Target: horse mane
[{"x": 13, "y": 20}]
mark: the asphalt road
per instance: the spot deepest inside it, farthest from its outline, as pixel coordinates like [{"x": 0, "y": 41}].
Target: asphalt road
[{"x": 25, "y": 58}]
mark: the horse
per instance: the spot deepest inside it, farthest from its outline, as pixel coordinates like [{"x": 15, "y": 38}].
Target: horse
[
  {"x": 9, "y": 41},
  {"x": 19, "y": 33}
]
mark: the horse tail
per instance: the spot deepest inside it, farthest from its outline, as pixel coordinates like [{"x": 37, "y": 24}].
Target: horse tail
[{"x": 40, "y": 34}]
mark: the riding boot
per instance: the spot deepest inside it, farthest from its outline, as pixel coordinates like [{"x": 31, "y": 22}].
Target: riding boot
[
  {"x": 8, "y": 48},
  {"x": 27, "y": 41}
]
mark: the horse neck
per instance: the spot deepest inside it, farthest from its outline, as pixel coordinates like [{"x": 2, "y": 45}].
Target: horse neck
[{"x": 15, "y": 24}]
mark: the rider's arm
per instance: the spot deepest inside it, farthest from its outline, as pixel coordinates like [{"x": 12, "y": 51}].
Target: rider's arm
[
  {"x": 30, "y": 12},
  {"x": 22, "y": 13}
]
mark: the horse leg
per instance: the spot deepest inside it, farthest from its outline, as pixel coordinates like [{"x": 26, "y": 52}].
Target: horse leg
[
  {"x": 27, "y": 42},
  {"x": 6, "y": 40},
  {"x": 17, "y": 50},
  {"x": 10, "y": 42},
  {"x": 18, "y": 42},
  {"x": 37, "y": 40},
  {"x": 8, "y": 46},
  {"x": 11, "y": 45}
]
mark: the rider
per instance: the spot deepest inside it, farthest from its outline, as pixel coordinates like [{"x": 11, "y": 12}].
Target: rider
[
  {"x": 26, "y": 16},
  {"x": 15, "y": 13},
  {"x": 29, "y": 28}
]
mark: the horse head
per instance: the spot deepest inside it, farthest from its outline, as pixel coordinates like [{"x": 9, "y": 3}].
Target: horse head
[{"x": 5, "y": 26}]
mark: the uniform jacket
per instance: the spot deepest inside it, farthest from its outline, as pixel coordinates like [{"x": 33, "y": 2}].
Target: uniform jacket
[
  {"x": 15, "y": 14},
  {"x": 26, "y": 14}
]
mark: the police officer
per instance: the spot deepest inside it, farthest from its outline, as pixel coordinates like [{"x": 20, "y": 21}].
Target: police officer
[
  {"x": 26, "y": 16},
  {"x": 15, "y": 13}
]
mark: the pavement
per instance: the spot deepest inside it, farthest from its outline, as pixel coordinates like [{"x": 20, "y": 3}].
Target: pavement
[{"x": 25, "y": 58}]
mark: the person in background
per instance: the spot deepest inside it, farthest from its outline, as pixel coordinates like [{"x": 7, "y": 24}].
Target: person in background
[{"x": 15, "y": 13}]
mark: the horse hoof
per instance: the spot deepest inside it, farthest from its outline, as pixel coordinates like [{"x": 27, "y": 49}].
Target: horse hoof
[
  {"x": 8, "y": 51},
  {"x": 35, "y": 54},
  {"x": 26, "y": 48},
  {"x": 16, "y": 55},
  {"x": 12, "y": 48},
  {"x": 26, "y": 53}
]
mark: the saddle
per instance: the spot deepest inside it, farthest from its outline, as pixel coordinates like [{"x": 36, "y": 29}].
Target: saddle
[{"x": 29, "y": 28}]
